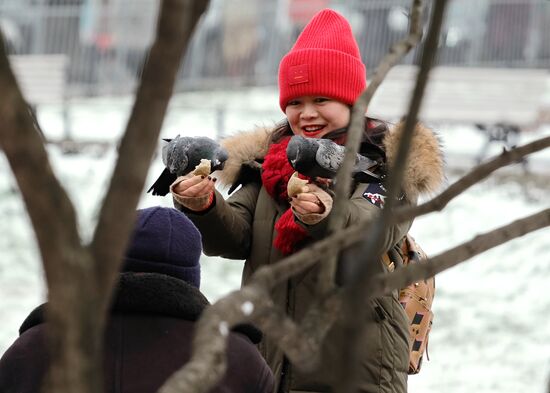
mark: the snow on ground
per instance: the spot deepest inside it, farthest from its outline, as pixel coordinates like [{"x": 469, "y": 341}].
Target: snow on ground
[{"x": 491, "y": 330}]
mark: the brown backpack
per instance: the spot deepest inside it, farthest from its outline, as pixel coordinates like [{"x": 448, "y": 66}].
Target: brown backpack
[{"x": 417, "y": 300}]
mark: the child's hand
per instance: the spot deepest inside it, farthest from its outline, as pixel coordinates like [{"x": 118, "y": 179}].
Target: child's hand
[
  {"x": 194, "y": 186},
  {"x": 307, "y": 203},
  {"x": 312, "y": 205},
  {"x": 194, "y": 192}
]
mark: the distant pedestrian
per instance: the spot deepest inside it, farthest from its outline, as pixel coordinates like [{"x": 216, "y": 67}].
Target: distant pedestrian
[{"x": 152, "y": 320}]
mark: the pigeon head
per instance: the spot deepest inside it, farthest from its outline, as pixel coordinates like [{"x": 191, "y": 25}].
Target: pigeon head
[{"x": 300, "y": 151}]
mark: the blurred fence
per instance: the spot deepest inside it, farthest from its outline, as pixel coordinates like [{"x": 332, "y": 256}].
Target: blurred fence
[{"x": 240, "y": 42}]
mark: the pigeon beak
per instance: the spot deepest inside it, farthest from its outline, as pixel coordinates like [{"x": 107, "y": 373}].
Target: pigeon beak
[{"x": 167, "y": 140}]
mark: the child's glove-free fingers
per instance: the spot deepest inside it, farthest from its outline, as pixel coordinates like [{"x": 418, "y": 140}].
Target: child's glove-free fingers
[
  {"x": 307, "y": 202},
  {"x": 194, "y": 192},
  {"x": 312, "y": 206},
  {"x": 190, "y": 185}
]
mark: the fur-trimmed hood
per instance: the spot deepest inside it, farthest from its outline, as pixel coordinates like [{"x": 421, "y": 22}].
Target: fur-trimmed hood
[{"x": 424, "y": 173}]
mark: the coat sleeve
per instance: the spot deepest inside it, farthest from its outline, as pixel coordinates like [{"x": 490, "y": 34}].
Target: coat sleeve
[
  {"x": 359, "y": 208},
  {"x": 226, "y": 227}
]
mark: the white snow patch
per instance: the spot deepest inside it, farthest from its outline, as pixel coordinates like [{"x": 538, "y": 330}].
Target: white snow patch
[
  {"x": 247, "y": 308},
  {"x": 223, "y": 328}
]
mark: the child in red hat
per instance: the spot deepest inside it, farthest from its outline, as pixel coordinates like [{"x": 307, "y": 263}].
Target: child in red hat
[{"x": 319, "y": 80}]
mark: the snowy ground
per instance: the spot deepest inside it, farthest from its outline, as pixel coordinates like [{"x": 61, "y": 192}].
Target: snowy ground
[{"x": 492, "y": 316}]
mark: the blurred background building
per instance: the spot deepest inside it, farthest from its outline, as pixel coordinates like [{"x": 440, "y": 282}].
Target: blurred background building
[{"x": 240, "y": 42}]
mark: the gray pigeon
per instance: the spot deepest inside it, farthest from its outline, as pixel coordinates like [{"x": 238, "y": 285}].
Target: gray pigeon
[
  {"x": 322, "y": 158},
  {"x": 182, "y": 154}
]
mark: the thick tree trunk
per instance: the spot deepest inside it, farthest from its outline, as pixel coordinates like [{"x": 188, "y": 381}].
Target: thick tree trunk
[{"x": 80, "y": 279}]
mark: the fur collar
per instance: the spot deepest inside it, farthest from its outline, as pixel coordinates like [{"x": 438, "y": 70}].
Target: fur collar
[
  {"x": 424, "y": 173},
  {"x": 153, "y": 293}
]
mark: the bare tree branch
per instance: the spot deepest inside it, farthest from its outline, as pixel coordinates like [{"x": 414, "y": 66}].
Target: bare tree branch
[
  {"x": 308, "y": 257},
  {"x": 79, "y": 288},
  {"x": 473, "y": 177},
  {"x": 343, "y": 179},
  {"x": 208, "y": 363},
  {"x": 92, "y": 271},
  {"x": 253, "y": 303},
  {"x": 47, "y": 203},
  {"x": 54, "y": 222},
  {"x": 400, "y": 278},
  {"x": 302, "y": 343},
  {"x": 396, "y": 173},
  {"x": 176, "y": 23},
  {"x": 364, "y": 270}
]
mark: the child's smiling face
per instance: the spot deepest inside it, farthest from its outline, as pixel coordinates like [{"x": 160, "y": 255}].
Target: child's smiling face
[{"x": 316, "y": 116}]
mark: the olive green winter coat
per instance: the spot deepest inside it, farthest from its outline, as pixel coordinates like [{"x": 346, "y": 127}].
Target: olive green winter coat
[{"x": 242, "y": 227}]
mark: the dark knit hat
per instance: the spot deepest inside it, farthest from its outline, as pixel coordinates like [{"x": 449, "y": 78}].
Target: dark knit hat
[
  {"x": 325, "y": 60},
  {"x": 165, "y": 241}
]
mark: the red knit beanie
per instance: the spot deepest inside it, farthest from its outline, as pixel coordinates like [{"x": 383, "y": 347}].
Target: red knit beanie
[{"x": 325, "y": 60}]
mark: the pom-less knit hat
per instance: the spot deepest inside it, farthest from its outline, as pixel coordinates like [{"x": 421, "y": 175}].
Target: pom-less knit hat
[
  {"x": 165, "y": 241},
  {"x": 325, "y": 60}
]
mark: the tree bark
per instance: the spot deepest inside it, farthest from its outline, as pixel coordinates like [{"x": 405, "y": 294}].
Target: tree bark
[
  {"x": 176, "y": 23},
  {"x": 80, "y": 279},
  {"x": 357, "y": 122},
  {"x": 476, "y": 175},
  {"x": 302, "y": 343},
  {"x": 400, "y": 278}
]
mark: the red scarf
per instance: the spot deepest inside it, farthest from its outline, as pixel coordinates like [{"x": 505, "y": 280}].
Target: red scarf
[{"x": 276, "y": 170}]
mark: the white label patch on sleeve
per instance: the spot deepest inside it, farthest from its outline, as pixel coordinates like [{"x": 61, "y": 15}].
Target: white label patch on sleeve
[{"x": 375, "y": 193}]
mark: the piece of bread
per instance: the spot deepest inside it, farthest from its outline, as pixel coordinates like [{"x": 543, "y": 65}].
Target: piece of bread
[
  {"x": 296, "y": 185},
  {"x": 203, "y": 169}
]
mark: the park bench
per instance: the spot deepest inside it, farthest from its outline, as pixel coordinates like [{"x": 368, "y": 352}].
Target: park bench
[
  {"x": 43, "y": 80},
  {"x": 465, "y": 95},
  {"x": 501, "y": 102}
]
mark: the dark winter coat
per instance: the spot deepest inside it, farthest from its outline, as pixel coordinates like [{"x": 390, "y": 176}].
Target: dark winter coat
[
  {"x": 148, "y": 338},
  {"x": 242, "y": 227}
]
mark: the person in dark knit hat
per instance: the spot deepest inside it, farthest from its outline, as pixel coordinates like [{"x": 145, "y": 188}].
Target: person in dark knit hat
[
  {"x": 320, "y": 78},
  {"x": 150, "y": 329}
]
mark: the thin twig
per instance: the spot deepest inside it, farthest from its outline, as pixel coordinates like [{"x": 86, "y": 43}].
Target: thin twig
[
  {"x": 177, "y": 20},
  {"x": 54, "y": 222},
  {"x": 294, "y": 264},
  {"x": 50, "y": 209},
  {"x": 364, "y": 269},
  {"x": 477, "y": 174},
  {"x": 343, "y": 179},
  {"x": 302, "y": 343},
  {"x": 400, "y": 278},
  {"x": 252, "y": 303},
  {"x": 74, "y": 283}
]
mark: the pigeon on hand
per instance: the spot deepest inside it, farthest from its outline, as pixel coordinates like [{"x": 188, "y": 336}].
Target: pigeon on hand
[
  {"x": 322, "y": 158},
  {"x": 182, "y": 154}
]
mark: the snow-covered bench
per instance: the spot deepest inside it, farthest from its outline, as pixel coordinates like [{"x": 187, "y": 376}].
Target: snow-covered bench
[
  {"x": 484, "y": 96},
  {"x": 499, "y": 102},
  {"x": 42, "y": 78}
]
